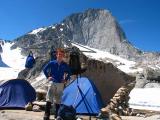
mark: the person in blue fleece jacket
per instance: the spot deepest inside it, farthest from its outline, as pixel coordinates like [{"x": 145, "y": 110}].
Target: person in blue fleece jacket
[{"x": 57, "y": 72}]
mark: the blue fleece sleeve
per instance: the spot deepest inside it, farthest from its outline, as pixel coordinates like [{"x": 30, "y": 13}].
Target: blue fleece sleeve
[{"x": 46, "y": 70}]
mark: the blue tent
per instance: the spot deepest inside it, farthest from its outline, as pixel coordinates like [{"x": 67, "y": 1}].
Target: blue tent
[
  {"x": 16, "y": 93},
  {"x": 83, "y": 96}
]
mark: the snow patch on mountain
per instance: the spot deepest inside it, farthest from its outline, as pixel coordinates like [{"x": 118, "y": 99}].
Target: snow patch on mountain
[
  {"x": 121, "y": 63},
  {"x": 37, "y": 30},
  {"x": 15, "y": 62}
]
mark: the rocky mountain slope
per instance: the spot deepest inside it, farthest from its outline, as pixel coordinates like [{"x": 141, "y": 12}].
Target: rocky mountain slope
[{"x": 96, "y": 28}]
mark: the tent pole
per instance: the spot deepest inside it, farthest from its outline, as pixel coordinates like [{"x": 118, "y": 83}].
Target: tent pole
[{"x": 85, "y": 101}]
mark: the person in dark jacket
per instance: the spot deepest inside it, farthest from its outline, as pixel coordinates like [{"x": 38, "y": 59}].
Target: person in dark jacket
[
  {"x": 57, "y": 72},
  {"x": 30, "y": 61},
  {"x": 52, "y": 53}
]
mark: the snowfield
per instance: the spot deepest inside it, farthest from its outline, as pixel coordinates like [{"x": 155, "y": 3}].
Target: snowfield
[
  {"x": 147, "y": 99},
  {"x": 11, "y": 63},
  {"x": 121, "y": 63}
]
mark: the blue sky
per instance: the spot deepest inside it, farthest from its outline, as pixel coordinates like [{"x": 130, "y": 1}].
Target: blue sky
[{"x": 140, "y": 19}]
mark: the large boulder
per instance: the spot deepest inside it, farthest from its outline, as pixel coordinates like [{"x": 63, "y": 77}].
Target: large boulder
[
  {"x": 152, "y": 74},
  {"x": 141, "y": 81},
  {"x": 149, "y": 78},
  {"x": 107, "y": 78}
]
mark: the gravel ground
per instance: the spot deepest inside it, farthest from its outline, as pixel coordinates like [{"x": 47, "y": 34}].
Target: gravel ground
[
  {"x": 27, "y": 115},
  {"x": 20, "y": 115},
  {"x": 153, "y": 117},
  {"x": 30, "y": 115}
]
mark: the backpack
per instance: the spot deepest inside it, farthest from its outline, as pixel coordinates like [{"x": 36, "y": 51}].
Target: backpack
[
  {"x": 74, "y": 62},
  {"x": 67, "y": 112},
  {"x": 30, "y": 61}
]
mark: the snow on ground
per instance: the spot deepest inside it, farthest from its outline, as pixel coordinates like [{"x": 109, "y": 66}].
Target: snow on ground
[
  {"x": 123, "y": 64},
  {"x": 145, "y": 98},
  {"x": 61, "y": 29},
  {"x": 13, "y": 60}
]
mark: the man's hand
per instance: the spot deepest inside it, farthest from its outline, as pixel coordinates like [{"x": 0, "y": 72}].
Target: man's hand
[
  {"x": 50, "y": 78},
  {"x": 64, "y": 81}
]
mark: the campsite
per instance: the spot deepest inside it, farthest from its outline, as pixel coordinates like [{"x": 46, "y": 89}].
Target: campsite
[
  {"x": 83, "y": 91},
  {"x": 16, "y": 94}
]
